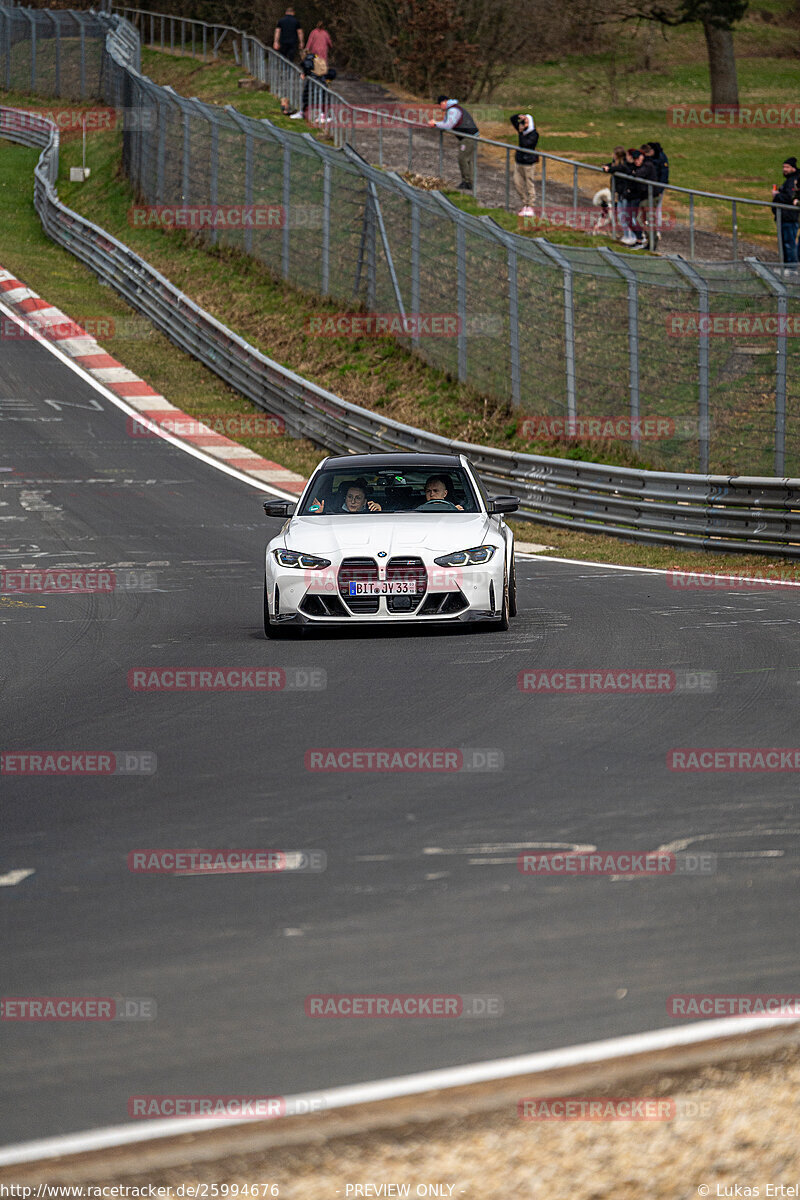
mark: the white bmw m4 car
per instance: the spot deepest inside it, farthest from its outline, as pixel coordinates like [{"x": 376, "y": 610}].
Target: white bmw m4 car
[{"x": 390, "y": 538}]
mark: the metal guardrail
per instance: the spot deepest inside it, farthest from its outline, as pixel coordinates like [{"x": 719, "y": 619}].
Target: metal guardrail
[
  {"x": 712, "y": 512},
  {"x": 283, "y": 78}
]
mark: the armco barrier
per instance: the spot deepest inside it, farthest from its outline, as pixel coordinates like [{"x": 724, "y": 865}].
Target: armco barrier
[{"x": 709, "y": 511}]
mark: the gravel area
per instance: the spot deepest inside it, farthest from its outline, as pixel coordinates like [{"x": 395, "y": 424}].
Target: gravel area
[{"x": 734, "y": 1124}]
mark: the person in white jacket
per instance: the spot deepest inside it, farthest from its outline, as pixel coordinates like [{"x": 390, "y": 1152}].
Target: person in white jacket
[{"x": 460, "y": 122}]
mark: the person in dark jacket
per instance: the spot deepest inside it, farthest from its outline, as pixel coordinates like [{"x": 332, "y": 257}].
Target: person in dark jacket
[
  {"x": 618, "y": 187},
  {"x": 457, "y": 120},
  {"x": 787, "y": 226},
  {"x": 654, "y": 153},
  {"x": 288, "y": 36},
  {"x": 525, "y": 160},
  {"x": 645, "y": 172}
]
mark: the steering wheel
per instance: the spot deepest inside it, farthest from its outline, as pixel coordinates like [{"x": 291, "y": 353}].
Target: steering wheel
[{"x": 436, "y": 506}]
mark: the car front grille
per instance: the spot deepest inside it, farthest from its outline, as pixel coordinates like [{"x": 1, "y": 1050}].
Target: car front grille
[
  {"x": 407, "y": 570},
  {"x": 358, "y": 570}
]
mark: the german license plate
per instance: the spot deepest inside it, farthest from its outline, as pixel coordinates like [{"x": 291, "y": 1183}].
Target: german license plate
[{"x": 384, "y": 587}]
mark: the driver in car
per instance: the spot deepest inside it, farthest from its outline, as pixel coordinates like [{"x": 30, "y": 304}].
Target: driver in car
[{"x": 436, "y": 489}]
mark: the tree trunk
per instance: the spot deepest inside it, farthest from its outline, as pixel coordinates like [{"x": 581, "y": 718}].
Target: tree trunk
[{"x": 722, "y": 64}]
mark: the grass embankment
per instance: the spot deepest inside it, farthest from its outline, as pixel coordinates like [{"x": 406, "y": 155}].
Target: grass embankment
[
  {"x": 241, "y": 292},
  {"x": 742, "y": 375}
]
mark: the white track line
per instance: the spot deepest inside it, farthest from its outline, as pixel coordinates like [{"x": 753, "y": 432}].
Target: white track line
[
  {"x": 765, "y": 580},
  {"x": 405, "y": 1085},
  {"x": 142, "y": 420}
]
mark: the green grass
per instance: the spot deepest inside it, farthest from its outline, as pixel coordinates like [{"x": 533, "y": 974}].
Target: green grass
[{"x": 585, "y": 105}]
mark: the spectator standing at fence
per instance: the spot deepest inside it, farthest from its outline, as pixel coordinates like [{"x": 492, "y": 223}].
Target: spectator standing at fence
[
  {"x": 787, "y": 226},
  {"x": 617, "y": 166},
  {"x": 525, "y": 161},
  {"x": 288, "y": 35},
  {"x": 457, "y": 120},
  {"x": 654, "y": 153},
  {"x": 320, "y": 44},
  {"x": 627, "y": 193},
  {"x": 639, "y": 192}
]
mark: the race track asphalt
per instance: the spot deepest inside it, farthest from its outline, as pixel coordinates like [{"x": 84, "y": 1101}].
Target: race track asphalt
[{"x": 421, "y": 892}]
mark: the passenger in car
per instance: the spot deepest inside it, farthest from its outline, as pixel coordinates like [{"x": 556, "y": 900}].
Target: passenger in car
[{"x": 355, "y": 500}]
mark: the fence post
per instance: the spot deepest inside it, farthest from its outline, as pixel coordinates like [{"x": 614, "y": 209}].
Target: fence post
[
  {"x": 187, "y": 156},
  {"x": 287, "y": 199},
  {"x": 569, "y": 323},
  {"x": 326, "y": 227},
  {"x": 778, "y": 290},
  {"x": 162, "y": 148},
  {"x": 57, "y": 41},
  {"x": 617, "y": 261},
  {"x": 701, "y": 287},
  {"x": 7, "y": 18},
  {"x": 214, "y": 172},
  {"x": 415, "y": 278},
  {"x": 32, "y": 24},
  {"x": 461, "y": 293},
  {"x": 507, "y": 240},
  {"x": 243, "y": 125}
]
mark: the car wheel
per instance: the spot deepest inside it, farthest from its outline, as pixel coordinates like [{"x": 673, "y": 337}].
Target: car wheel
[
  {"x": 270, "y": 630},
  {"x": 504, "y": 612},
  {"x": 512, "y": 590}
]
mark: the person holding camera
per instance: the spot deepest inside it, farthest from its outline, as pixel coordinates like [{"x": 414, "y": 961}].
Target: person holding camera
[{"x": 524, "y": 161}]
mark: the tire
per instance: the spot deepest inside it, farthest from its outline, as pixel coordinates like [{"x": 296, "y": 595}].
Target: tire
[
  {"x": 503, "y": 623},
  {"x": 274, "y": 632},
  {"x": 512, "y": 589}
]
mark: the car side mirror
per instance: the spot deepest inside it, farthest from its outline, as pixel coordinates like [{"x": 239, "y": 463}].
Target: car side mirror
[
  {"x": 279, "y": 508},
  {"x": 503, "y": 504}
]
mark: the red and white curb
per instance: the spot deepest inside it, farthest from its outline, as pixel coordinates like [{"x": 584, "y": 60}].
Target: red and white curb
[{"x": 73, "y": 341}]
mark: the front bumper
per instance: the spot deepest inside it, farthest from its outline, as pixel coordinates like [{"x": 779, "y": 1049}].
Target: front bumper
[{"x": 440, "y": 595}]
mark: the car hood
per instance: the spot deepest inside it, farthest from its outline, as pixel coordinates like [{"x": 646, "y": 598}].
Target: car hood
[{"x": 398, "y": 534}]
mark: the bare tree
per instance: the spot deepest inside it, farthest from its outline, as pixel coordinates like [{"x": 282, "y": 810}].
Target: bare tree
[{"x": 718, "y": 18}]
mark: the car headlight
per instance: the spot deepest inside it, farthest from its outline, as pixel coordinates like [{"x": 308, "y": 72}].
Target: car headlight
[
  {"x": 466, "y": 558},
  {"x": 295, "y": 558}
]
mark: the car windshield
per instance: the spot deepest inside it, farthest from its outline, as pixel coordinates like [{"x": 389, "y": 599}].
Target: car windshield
[{"x": 423, "y": 489}]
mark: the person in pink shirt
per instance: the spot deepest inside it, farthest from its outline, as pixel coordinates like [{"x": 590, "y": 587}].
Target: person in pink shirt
[{"x": 320, "y": 42}]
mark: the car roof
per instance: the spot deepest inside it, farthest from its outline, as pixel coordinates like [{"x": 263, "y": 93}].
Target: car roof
[{"x": 370, "y": 462}]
